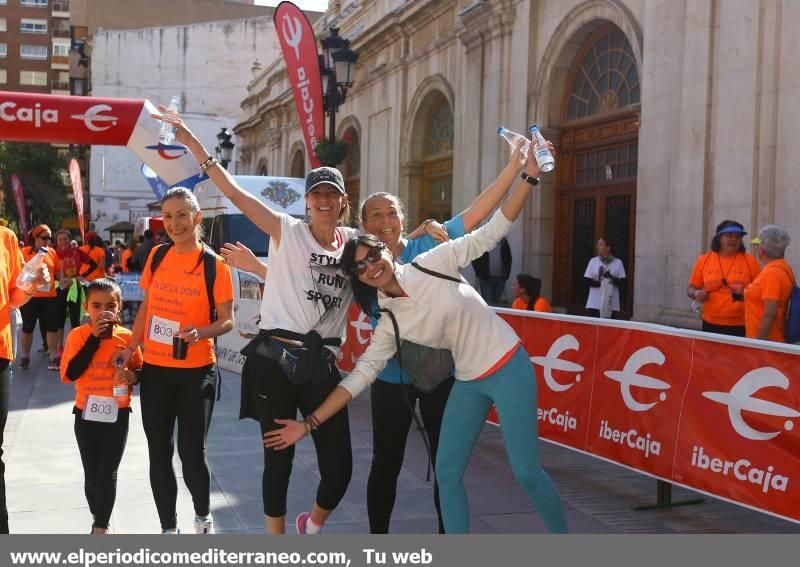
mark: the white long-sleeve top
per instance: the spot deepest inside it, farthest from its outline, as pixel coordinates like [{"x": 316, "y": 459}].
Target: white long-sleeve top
[{"x": 440, "y": 313}]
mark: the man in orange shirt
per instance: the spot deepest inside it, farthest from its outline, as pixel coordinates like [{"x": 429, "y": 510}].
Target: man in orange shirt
[
  {"x": 11, "y": 297},
  {"x": 766, "y": 300}
]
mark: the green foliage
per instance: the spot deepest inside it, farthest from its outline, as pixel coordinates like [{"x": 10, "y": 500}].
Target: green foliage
[
  {"x": 331, "y": 153},
  {"x": 38, "y": 167}
]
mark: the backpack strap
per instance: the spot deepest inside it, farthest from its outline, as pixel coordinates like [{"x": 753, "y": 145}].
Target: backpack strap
[
  {"x": 158, "y": 256},
  {"x": 436, "y": 274}
]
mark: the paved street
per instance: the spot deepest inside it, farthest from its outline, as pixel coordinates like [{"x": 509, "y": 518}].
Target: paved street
[{"x": 45, "y": 480}]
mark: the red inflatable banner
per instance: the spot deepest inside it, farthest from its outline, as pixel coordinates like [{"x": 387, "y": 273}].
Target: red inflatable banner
[
  {"x": 299, "y": 47},
  {"x": 716, "y": 414},
  {"x": 19, "y": 200},
  {"x": 26, "y": 117}
]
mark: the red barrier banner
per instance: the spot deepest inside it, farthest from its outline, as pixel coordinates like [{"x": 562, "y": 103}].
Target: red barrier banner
[
  {"x": 28, "y": 117},
  {"x": 19, "y": 199},
  {"x": 299, "y": 47},
  {"x": 77, "y": 192},
  {"x": 716, "y": 414}
]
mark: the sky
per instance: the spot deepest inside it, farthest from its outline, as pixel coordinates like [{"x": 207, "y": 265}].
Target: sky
[{"x": 316, "y": 5}]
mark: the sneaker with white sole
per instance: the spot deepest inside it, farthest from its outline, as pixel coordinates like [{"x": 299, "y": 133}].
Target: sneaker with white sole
[
  {"x": 174, "y": 531},
  {"x": 300, "y": 522},
  {"x": 203, "y": 525}
]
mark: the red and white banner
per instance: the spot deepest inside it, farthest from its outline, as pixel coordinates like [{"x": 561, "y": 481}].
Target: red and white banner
[
  {"x": 26, "y": 117},
  {"x": 19, "y": 199},
  {"x": 77, "y": 192},
  {"x": 716, "y": 414},
  {"x": 299, "y": 48}
]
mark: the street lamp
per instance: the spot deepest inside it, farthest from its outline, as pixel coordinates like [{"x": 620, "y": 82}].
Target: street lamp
[
  {"x": 225, "y": 148},
  {"x": 337, "y": 67},
  {"x": 29, "y": 209}
]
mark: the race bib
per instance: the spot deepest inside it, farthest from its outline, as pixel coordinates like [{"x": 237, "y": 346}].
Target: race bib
[
  {"x": 162, "y": 330},
  {"x": 100, "y": 408}
]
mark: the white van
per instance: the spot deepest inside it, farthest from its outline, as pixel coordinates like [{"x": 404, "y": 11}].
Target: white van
[{"x": 225, "y": 223}]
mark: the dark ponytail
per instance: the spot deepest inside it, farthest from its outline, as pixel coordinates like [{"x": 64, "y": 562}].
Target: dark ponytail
[{"x": 532, "y": 286}]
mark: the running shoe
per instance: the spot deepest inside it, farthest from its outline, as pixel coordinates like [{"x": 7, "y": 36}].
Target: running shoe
[
  {"x": 300, "y": 522},
  {"x": 203, "y": 525},
  {"x": 25, "y": 362},
  {"x": 54, "y": 364},
  {"x": 175, "y": 531},
  {"x": 42, "y": 348}
]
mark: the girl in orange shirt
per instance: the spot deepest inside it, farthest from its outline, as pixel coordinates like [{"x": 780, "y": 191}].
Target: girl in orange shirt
[
  {"x": 102, "y": 396},
  {"x": 527, "y": 289}
]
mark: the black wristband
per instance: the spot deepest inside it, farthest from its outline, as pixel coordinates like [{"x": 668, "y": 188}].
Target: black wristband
[{"x": 530, "y": 179}]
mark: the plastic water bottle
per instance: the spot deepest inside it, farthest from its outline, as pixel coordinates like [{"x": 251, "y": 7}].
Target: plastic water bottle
[
  {"x": 513, "y": 139},
  {"x": 695, "y": 306},
  {"x": 166, "y": 135},
  {"x": 544, "y": 158},
  {"x": 28, "y": 274}
]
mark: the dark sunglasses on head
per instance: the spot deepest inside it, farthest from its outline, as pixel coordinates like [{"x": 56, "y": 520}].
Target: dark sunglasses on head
[{"x": 373, "y": 257}]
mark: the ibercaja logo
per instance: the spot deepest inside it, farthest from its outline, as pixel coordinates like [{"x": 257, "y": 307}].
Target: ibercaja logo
[
  {"x": 562, "y": 355},
  {"x": 740, "y": 430},
  {"x": 639, "y": 382}
]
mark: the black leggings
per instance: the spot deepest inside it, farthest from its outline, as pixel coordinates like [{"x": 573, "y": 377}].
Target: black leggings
[
  {"x": 101, "y": 446},
  {"x": 74, "y": 308},
  {"x": 391, "y": 420},
  {"x": 5, "y": 394},
  {"x": 185, "y": 394},
  {"x": 41, "y": 309},
  {"x": 270, "y": 397},
  {"x": 732, "y": 330}
]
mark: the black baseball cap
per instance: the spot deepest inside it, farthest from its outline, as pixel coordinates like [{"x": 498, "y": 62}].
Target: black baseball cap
[{"x": 324, "y": 174}]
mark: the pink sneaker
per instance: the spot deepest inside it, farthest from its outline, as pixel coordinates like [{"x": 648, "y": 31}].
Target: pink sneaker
[{"x": 300, "y": 522}]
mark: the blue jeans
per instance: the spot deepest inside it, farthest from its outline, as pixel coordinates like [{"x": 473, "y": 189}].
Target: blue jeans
[
  {"x": 512, "y": 389},
  {"x": 492, "y": 289}
]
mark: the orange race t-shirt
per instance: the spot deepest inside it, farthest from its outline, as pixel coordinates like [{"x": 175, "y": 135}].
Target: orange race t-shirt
[
  {"x": 53, "y": 263},
  {"x": 774, "y": 282},
  {"x": 10, "y": 266},
  {"x": 126, "y": 254},
  {"x": 98, "y": 255},
  {"x": 177, "y": 297},
  {"x": 98, "y": 379},
  {"x": 541, "y": 304},
  {"x": 708, "y": 274}
]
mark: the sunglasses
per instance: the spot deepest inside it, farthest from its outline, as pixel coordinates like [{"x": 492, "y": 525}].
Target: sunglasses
[
  {"x": 46, "y": 237},
  {"x": 373, "y": 257}
]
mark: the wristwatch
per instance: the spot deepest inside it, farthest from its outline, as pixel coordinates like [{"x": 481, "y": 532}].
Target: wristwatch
[{"x": 530, "y": 179}]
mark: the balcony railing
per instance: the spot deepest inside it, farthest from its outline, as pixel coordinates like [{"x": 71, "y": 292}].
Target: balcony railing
[
  {"x": 61, "y": 6},
  {"x": 61, "y": 32},
  {"x": 59, "y": 85}
]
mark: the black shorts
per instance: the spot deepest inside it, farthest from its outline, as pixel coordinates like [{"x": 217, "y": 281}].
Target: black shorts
[{"x": 43, "y": 309}]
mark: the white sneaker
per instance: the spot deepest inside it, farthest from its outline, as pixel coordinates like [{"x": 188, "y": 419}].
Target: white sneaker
[{"x": 203, "y": 525}]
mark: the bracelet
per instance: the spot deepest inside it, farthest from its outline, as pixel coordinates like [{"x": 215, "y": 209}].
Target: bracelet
[
  {"x": 210, "y": 162},
  {"x": 530, "y": 179},
  {"x": 308, "y": 427},
  {"x": 312, "y": 422}
]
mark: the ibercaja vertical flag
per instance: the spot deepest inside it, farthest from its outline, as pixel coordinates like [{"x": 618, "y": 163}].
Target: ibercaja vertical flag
[
  {"x": 19, "y": 199},
  {"x": 77, "y": 192},
  {"x": 299, "y": 48}
]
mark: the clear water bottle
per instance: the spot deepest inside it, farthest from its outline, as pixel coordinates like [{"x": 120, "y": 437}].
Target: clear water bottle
[
  {"x": 695, "y": 306},
  {"x": 513, "y": 139},
  {"x": 166, "y": 135},
  {"x": 28, "y": 274},
  {"x": 544, "y": 157}
]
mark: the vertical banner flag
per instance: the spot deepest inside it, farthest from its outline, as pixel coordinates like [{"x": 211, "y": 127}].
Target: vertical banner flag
[
  {"x": 77, "y": 192},
  {"x": 19, "y": 199},
  {"x": 299, "y": 48}
]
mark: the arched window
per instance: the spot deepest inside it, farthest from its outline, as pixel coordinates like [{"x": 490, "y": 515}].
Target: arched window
[
  {"x": 298, "y": 168},
  {"x": 439, "y": 139},
  {"x": 605, "y": 78}
]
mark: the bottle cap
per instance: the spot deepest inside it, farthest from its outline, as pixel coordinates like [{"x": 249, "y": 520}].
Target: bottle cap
[
  {"x": 533, "y": 127},
  {"x": 500, "y": 130}
]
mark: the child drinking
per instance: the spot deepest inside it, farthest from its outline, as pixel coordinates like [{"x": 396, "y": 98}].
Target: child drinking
[{"x": 102, "y": 395}]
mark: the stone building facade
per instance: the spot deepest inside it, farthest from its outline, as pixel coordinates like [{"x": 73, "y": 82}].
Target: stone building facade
[{"x": 669, "y": 116}]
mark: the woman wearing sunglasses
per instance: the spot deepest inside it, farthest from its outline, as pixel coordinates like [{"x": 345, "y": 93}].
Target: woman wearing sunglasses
[
  {"x": 491, "y": 366},
  {"x": 44, "y": 305}
]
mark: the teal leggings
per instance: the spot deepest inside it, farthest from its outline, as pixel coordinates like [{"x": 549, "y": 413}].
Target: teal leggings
[{"x": 512, "y": 389}]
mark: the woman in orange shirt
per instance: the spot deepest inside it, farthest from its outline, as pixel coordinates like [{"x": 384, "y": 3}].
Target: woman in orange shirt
[
  {"x": 766, "y": 300},
  {"x": 719, "y": 278},
  {"x": 95, "y": 249},
  {"x": 179, "y": 382},
  {"x": 44, "y": 306},
  {"x": 102, "y": 395},
  {"x": 127, "y": 254},
  {"x": 526, "y": 288}
]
